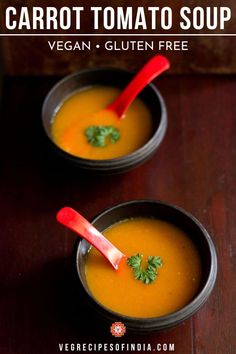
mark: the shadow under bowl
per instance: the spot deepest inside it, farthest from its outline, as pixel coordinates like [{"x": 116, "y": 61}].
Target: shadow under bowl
[
  {"x": 113, "y": 78},
  {"x": 176, "y": 216}
]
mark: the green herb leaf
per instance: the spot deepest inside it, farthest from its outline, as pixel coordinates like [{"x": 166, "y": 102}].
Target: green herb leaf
[
  {"x": 101, "y": 135},
  {"x": 149, "y": 274}
]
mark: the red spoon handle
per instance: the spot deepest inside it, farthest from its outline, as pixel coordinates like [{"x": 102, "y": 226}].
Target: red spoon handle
[
  {"x": 154, "y": 67},
  {"x": 77, "y": 223}
]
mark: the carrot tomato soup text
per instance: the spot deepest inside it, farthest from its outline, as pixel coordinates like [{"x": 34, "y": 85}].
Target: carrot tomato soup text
[
  {"x": 82, "y": 120},
  {"x": 177, "y": 280}
]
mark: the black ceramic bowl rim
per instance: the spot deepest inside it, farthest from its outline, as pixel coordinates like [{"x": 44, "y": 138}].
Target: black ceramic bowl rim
[
  {"x": 128, "y": 159},
  {"x": 172, "y": 319}
]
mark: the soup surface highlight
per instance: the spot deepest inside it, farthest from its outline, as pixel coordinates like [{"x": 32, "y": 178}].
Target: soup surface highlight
[
  {"x": 177, "y": 281},
  {"x": 87, "y": 108}
]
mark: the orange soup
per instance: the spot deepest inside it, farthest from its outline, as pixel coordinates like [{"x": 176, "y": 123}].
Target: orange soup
[
  {"x": 85, "y": 109},
  {"x": 177, "y": 280}
]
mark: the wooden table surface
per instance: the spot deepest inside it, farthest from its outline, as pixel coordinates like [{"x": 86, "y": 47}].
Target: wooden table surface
[{"x": 195, "y": 168}]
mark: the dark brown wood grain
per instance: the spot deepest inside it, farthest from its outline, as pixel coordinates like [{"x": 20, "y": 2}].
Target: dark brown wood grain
[
  {"x": 195, "y": 168},
  {"x": 32, "y": 55}
]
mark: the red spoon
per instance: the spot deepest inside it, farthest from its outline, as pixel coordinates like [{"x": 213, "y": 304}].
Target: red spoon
[
  {"x": 77, "y": 223},
  {"x": 154, "y": 67}
]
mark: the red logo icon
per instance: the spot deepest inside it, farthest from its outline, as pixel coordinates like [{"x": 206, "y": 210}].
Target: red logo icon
[{"x": 118, "y": 329}]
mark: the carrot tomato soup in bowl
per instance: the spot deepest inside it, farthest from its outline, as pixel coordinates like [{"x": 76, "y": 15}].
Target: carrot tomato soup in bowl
[
  {"x": 169, "y": 271},
  {"x": 94, "y": 139}
]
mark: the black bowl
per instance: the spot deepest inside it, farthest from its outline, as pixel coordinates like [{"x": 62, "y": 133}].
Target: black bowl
[
  {"x": 176, "y": 216},
  {"x": 106, "y": 77}
]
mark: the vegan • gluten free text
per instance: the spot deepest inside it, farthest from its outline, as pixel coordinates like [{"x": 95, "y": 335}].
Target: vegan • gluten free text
[{"x": 131, "y": 45}]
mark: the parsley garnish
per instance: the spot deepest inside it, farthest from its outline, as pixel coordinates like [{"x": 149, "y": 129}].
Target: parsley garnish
[
  {"x": 101, "y": 135},
  {"x": 149, "y": 274}
]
